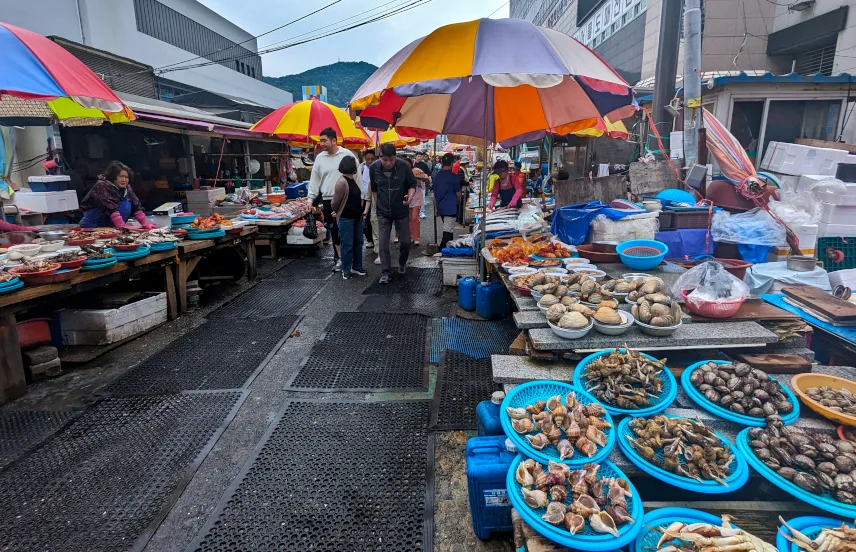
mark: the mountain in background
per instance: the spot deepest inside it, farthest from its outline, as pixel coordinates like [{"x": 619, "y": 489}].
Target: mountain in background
[{"x": 342, "y": 80}]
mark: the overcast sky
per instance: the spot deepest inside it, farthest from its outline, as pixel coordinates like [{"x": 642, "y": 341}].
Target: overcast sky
[{"x": 374, "y": 43}]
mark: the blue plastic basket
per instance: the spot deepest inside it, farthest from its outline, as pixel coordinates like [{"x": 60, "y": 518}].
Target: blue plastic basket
[
  {"x": 662, "y": 402},
  {"x": 15, "y": 286},
  {"x": 206, "y": 235},
  {"x": 163, "y": 246},
  {"x": 249, "y": 217},
  {"x": 98, "y": 262},
  {"x": 642, "y": 263},
  {"x": 529, "y": 393},
  {"x": 647, "y": 540},
  {"x": 184, "y": 219},
  {"x": 130, "y": 255},
  {"x": 87, "y": 268},
  {"x": 743, "y": 419},
  {"x": 587, "y": 539},
  {"x": 809, "y": 526},
  {"x": 13, "y": 282},
  {"x": 824, "y": 502},
  {"x": 738, "y": 476}
]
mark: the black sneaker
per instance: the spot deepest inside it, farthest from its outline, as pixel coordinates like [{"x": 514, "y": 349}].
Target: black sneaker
[
  {"x": 358, "y": 271},
  {"x": 346, "y": 276},
  {"x": 384, "y": 279},
  {"x": 402, "y": 270}
]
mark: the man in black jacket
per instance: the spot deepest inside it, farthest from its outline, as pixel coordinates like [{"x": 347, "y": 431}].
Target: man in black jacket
[{"x": 393, "y": 184}]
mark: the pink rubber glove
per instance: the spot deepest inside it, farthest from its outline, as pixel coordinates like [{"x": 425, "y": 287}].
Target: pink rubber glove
[
  {"x": 116, "y": 219},
  {"x": 144, "y": 222}
]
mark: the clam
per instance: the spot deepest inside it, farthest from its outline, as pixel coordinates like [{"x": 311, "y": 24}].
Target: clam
[
  {"x": 606, "y": 315},
  {"x": 548, "y": 300},
  {"x": 652, "y": 285},
  {"x": 595, "y": 298},
  {"x": 582, "y": 309},
  {"x": 611, "y": 303},
  {"x": 573, "y": 321},
  {"x": 561, "y": 290},
  {"x": 661, "y": 298},
  {"x": 661, "y": 321},
  {"x": 588, "y": 286},
  {"x": 568, "y": 300},
  {"x": 555, "y": 312},
  {"x": 621, "y": 287},
  {"x": 659, "y": 309}
]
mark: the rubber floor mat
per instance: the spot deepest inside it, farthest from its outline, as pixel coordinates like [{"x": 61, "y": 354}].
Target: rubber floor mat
[
  {"x": 330, "y": 477},
  {"x": 305, "y": 268},
  {"x": 462, "y": 383},
  {"x": 271, "y": 299},
  {"x": 406, "y": 303},
  {"x": 475, "y": 338},
  {"x": 215, "y": 355},
  {"x": 22, "y": 430},
  {"x": 367, "y": 352},
  {"x": 107, "y": 480},
  {"x": 425, "y": 281}
]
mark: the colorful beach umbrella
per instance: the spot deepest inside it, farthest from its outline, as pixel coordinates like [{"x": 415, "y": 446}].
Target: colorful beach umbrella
[
  {"x": 391, "y": 136},
  {"x": 548, "y": 82},
  {"x": 42, "y": 83},
  {"x": 605, "y": 127},
  {"x": 302, "y": 123}
]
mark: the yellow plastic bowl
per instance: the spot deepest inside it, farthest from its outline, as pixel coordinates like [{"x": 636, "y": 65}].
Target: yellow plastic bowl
[{"x": 800, "y": 382}]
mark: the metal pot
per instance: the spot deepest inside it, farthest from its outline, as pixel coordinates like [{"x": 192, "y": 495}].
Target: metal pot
[
  {"x": 53, "y": 235},
  {"x": 801, "y": 263}
]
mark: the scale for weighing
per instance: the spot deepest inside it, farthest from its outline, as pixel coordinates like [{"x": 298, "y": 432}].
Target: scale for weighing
[{"x": 163, "y": 214}]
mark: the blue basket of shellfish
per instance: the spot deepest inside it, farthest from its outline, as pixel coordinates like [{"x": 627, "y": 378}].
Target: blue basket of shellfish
[
  {"x": 810, "y": 526},
  {"x": 597, "y": 532},
  {"x": 718, "y": 410},
  {"x": 657, "y": 404},
  {"x": 737, "y": 476},
  {"x": 536, "y": 400},
  {"x": 649, "y": 537},
  {"x": 823, "y": 501}
]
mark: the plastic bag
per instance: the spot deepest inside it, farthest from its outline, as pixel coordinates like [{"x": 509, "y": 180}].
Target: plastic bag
[
  {"x": 711, "y": 284},
  {"x": 752, "y": 227},
  {"x": 311, "y": 230},
  {"x": 794, "y": 209}
]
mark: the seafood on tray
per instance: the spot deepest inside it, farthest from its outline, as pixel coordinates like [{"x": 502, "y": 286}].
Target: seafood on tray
[
  {"x": 518, "y": 249},
  {"x": 695, "y": 537},
  {"x": 553, "y": 251},
  {"x": 742, "y": 389},
  {"x": 644, "y": 286},
  {"x": 68, "y": 256},
  {"x": 6, "y": 276},
  {"x": 93, "y": 234},
  {"x": 212, "y": 221},
  {"x": 96, "y": 252},
  {"x": 830, "y": 539},
  {"x": 838, "y": 400},
  {"x": 619, "y": 285},
  {"x": 688, "y": 447},
  {"x": 814, "y": 461},
  {"x": 625, "y": 379},
  {"x": 565, "y": 424},
  {"x": 158, "y": 235},
  {"x": 575, "y": 498},
  {"x": 36, "y": 266},
  {"x": 656, "y": 309},
  {"x": 542, "y": 263},
  {"x": 590, "y": 291}
]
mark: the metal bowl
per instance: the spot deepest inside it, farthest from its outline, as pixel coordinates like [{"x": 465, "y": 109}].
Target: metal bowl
[
  {"x": 801, "y": 263},
  {"x": 53, "y": 235}
]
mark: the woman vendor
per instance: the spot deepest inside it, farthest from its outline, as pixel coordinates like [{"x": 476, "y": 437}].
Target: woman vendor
[
  {"x": 111, "y": 202},
  {"x": 509, "y": 187}
]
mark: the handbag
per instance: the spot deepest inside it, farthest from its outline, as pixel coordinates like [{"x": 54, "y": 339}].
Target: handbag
[{"x": 310, "y": 231}]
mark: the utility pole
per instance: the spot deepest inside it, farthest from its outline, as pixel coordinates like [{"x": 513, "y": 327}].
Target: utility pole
[
  {"x": 665, "y": 72},
  {"x": 692, "y": 80}
]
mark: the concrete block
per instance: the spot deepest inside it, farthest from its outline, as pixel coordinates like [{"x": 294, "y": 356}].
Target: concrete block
[
  {"x": 40, "y": 355},
  {"x": 49, "y": 369}
]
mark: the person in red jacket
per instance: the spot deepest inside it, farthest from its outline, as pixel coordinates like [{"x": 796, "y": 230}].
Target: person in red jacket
[{"x": 511, "y": 189}]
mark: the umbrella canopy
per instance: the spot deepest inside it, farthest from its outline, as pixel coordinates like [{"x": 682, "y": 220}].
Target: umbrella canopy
[
  {"x": 42, "y": 83},
  {"x": 302, "y": 122},
  {"x": 548, "y": 83},
  {"x": 391, "y": 136},
  {"x": 606, "y": 127}
]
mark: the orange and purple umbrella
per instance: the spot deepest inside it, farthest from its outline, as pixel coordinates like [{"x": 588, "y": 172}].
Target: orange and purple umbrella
[
  {"x": 42, "y": 83},
  {"x": 302, "y": 123}
]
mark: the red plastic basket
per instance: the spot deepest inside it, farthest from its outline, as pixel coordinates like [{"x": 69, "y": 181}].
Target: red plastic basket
[
  {"x": 26, "y": 275},
  {"x": 73, "y": 264},
  {"x": 712, "y": 309}
]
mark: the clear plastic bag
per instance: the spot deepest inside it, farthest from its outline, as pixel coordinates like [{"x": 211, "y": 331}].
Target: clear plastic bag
[
  {"x": 712, "y": 290},
  {"x": 755, "y": 227}
]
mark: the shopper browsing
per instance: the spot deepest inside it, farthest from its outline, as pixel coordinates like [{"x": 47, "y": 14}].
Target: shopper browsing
[
  {"x": 348, "y": 209},
  {"x": 447, "y": 195},
  {"x": 393, "y": 184}
]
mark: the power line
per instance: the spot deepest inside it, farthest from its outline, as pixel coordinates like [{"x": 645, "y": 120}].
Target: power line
[
  {"x": 252, "y": 38},
  {"x": 401, "y": 9},
  {"x": 497, "y": 9}
]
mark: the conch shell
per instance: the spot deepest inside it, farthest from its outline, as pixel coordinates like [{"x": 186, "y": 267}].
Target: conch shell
[
  {"x": 538, "y": 441},
  {"x": 553, "y": 402},
  {"x": 585, "y": 506},
  {"x": 603, "y": 523},
  {"x": 606, "y": 315},
  {"x": 548, "y": 300},
  {"x": 555, "y": 312},
  {"x": 574, "y": 522},
  {"x": 584, "y": 445},
  {"x": 596, "y": 436},
  {"x": 535, "y": 499},
  {"x": 516, "y": 413},
  {"x": 523, "y": 476},
  {"x": 573, "y": 321},
  {"x": 565, "y": 449},
  {"x": 523, "y": 425},
  {"x": 555, "y": 513}
]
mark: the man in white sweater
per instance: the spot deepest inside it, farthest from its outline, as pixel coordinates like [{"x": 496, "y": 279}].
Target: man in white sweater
[{"x": 322, "y": 183}]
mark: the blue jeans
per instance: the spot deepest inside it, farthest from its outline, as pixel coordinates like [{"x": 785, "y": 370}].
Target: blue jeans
[{"x": 351, "y": 239}]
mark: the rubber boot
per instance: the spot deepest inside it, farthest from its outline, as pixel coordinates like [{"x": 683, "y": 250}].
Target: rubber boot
[{"x": 447, "y": 237}]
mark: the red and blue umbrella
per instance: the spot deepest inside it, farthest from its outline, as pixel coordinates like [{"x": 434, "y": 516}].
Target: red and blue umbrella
[{"x": 42, "y": 83}]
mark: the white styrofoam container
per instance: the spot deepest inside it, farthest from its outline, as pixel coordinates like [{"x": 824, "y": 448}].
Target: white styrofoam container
[
  {"x": 46, "y": 202},
  {"x": 846, "y": 277},
  {"x": 806, "y": 181},
  {"x": 104, "y": 326},
  {"x": 835, "y": 198},
  {"x": 291, "y": 239},
  {"x": 50, "y": 178},
  {"x": 676, "y": 144},
  {"x": 826, "y": 229},
  {"x": 806, "y": 234},
  {"x": 797, "y": 159},
  {"x": 457, "y": 267},
  {"x": 788, "y": 182},
  {"x": 837, "y": 213}
]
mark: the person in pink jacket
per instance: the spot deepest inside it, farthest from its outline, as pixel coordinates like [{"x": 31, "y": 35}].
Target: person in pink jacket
[
  {"x": 510, "y": 189},
  {"x": 112, "y": 201}
]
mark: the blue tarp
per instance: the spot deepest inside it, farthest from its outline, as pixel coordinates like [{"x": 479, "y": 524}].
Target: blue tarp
[
  {"x": 685, "y": 242},
  {"x": 457, "y": 252},
  {"x": 571, "y": 222}
]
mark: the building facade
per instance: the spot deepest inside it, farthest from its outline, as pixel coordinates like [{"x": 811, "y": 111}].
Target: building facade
[{"x": 162, "y": 35}]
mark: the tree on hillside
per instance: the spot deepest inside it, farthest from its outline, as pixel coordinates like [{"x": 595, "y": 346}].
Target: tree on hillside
[{"x": 342, "y": 80}]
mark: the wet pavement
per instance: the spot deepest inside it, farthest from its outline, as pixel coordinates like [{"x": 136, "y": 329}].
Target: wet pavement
[{"x": 79, "y": 389}]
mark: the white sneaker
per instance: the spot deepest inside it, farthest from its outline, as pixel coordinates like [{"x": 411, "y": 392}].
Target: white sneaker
[
  {"x": 338, "y": 266},
  {"x": 377, "y": 261},
  {"x": 370, "y": 245}
]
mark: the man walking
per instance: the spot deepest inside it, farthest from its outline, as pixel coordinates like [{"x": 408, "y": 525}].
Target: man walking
[
  {"x": 322, "y": 185},
  {"x": 447, "y": 194},
  {"x": 371, "y": 212},
  {"x": 392, "y": 184}
]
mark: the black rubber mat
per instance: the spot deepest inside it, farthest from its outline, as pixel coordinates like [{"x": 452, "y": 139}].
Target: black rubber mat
[
  {"x": 21, "y": 431},
  {"x": 107, "y": 480},
  {"x": 475, "y": 338},
  {"x": 305, "y": 268},
  {"x": 406, "y": 303},
  {"x": 330, "y": 477},
  {"x": 367, "y": 352},
  {"x": 271, "y": 299},
  {"x": 218, "y": 354},
  {"x": 462, "y": 383},
  {"x": 425, "y": 281}
]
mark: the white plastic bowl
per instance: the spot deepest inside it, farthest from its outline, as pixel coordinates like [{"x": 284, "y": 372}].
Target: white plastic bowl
[
  {"x": 593, "y": 273},
  {"x": 27, "y": 249},
  {"x": 522, "y": 270},
  {"x": 617, "y": 296},
  {"x": 515, "y": 277},
  {"x": 658, "y": 331},
  {"x": 554, "y": 271},
  {"x": 51, "y": 246},
  {"x": 576, "y": 261},
  {"x": 615, "y": 329},
  {"x": 506, "y": 267},
  {"x": 571, "y": 334}
]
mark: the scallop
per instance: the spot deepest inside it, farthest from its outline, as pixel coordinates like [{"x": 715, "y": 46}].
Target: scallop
[
  {"x": 606, "y": 315},
  {"x": 573, "y": 321}
]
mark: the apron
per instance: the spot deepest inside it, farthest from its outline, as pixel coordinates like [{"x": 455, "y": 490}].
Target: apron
[
  {"x": 507, "y": 194},
  {"x": 96, "y": 218}
]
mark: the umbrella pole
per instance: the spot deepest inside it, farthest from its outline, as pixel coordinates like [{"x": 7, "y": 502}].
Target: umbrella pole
[
  {"x": 483, "y": 202},
  {"x": 434, "y": 200}
]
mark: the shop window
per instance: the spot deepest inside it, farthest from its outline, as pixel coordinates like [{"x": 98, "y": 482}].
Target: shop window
[
  {"x": 792, "y": 119},
  {"x": 746, "y": 125}
]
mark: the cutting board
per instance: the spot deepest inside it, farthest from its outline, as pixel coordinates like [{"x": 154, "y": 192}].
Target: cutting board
[
  {"x": 832, "y": 307},
  {"x": 752, "y": 311},
  {"x": 777, "y": 364}
]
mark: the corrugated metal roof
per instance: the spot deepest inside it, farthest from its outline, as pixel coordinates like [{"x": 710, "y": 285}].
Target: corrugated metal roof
[{"x": 712, "y": 79}]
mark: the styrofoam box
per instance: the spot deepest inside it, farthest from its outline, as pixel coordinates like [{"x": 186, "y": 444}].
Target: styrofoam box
[
  {"x": 46, "y": 202},
  {"x": 806, "y": 181},
  {"x": 104, "y": 326},
  {"x": 788, "y": 182},
  {"x": 838, "y": 199},
  {"x": 455, "y": 267},
  {"x": 676, "y": 144},
  {"x": 50, "y": 178},
  {"x": 826, "y": 229},
  {"x": 291, "y": 239},
  {"x": 837, "y": 214},
  {"x": 846, "y": 277},
  {"x": 797, "y": 159}
]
